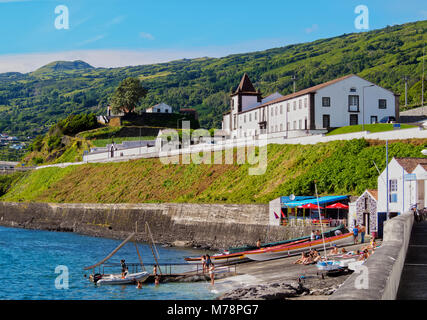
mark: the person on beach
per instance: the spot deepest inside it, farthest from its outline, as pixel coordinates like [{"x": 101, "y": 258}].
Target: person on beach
[
  {"x": 124, "y": 268},
  {"x": 334, "y": 250},
  {"x": 318, "y": 236},
  {"x": 343, "y": 251},
  {"x": 355, "y": 234},
  {"x": 316, "y": 256},
  {"x": 338, "y": 232},
  {"x": 212, "y": 273},
  {"x": 362, "y": 233}
]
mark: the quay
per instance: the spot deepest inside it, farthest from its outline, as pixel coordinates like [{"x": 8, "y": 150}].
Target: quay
[{"x": 413, "y": 283}]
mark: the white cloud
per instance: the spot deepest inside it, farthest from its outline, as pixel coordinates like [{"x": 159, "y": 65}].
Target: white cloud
[
  {"x": 147, "y": 36},
  {"x": 313, "y": 28},
  {"x": 91, "y": 40}
]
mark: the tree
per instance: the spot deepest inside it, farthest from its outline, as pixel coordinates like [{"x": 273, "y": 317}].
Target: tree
[{"x": 127, "y": 96}]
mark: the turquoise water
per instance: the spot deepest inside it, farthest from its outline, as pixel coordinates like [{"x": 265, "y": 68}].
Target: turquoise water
[{"x": 28, "y": 259}]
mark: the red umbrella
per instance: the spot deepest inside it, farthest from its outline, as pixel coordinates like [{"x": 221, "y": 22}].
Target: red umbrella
[
  {"x": 337, "y": 206},
  {"x": 311, "y": 206}
]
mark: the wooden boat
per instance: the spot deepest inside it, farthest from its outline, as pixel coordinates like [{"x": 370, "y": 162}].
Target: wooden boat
[
  {"x": 229, "y": 258},
  {"x": 282, "y": 251},
  {"x": 328, "y": 233},
  {"x": 117, "y": 279}
]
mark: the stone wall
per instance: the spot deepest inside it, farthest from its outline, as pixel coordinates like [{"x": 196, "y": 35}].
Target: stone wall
[
  {"x": 217, "y": 226},
  {"x": 379, "y": 277},
  {"x": 371, "y": 209}
]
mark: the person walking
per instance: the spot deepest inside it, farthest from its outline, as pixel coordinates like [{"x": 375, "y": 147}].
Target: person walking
[{"x": 355, "y": 234}]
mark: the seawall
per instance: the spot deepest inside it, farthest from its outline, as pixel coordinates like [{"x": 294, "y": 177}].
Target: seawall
[
  {"x": 379, "y": 277},
  {"x": 215, "y": 226}
]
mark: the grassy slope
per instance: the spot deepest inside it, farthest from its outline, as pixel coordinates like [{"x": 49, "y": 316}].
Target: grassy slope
[
  {"x": 339, "y": 167},
  {"x": 378, "y": 127}
]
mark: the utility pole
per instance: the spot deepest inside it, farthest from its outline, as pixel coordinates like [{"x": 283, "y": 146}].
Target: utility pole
[
  {"x": 294, "y": 79},
  {"x": 422, "y": 83},
  {"x": 405, "y": 78}
]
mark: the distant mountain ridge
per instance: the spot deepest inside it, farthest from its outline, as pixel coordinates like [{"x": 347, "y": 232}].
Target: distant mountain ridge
[{"x": 30, "y": 103}]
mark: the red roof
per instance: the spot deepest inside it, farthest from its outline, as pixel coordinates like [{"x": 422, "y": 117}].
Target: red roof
[{"x": 409, "y": 164}]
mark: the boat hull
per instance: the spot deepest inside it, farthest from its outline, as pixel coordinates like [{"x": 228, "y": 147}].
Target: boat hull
[
  {"x": 220, "y": 259},
  {"x": 286, "y": 251},
  {"x": 117, "y": 279}
]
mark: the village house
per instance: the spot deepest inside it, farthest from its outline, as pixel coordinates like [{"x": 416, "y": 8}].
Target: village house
[
  {"x": 349, "y": 100},
  {"x": 159, "y": 108},
  {"x": 366, "y": 211},
  {"x": 406, "y": 186}
]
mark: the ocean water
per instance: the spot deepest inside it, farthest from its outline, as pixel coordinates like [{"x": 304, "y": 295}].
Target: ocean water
[{"x": 28, "y": 259}]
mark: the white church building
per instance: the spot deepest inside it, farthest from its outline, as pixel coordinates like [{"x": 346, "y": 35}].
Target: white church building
[{"x": 348, "y": 100}]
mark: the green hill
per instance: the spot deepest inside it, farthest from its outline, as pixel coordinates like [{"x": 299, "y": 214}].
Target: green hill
[
  {"x": 31, "y": 103},
  {"x": 62, "y": 66},
  {"x": 339, "y": 167}
]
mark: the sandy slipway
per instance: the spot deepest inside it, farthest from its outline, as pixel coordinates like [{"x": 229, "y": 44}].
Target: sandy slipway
[{"x": 278, "y": 279}]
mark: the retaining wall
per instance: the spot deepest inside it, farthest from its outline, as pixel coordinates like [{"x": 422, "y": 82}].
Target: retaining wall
[
  {"x": 384, "y": 268},
  {"x": 207, "y": 225}
]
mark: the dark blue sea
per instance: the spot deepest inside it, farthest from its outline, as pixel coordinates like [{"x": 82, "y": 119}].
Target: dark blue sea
[{"x": 29, "y": 259}]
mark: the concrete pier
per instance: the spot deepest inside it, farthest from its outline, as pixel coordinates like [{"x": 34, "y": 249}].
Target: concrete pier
[{"x": 413, "y": 283}]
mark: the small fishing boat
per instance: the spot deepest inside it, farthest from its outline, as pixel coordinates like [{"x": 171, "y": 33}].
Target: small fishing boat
[
  {"x": 328, "y": 233},
  {"x": 329, "y": 265},
  {"x": 228, "y": 258},
  {"x": 283, "y": 251},
  {"x": 117, "y": 279}
]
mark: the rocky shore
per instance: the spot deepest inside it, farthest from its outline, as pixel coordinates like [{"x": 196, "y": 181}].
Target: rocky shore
[{"x": 280, "y": 279}]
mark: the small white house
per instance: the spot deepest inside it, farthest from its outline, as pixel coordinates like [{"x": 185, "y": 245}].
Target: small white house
[
  {"x": 407, "y": 185},
  {"x": 159, "y": 108}
]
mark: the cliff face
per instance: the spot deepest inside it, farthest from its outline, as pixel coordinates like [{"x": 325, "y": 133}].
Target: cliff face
[{"x": 217, "y": 226}]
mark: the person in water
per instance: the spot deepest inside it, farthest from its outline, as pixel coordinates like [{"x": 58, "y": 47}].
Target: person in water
[
  {"x": 203, "y": 259},
  {"x": 208, "y": 261},
  {"x": 212, "y": 273}
]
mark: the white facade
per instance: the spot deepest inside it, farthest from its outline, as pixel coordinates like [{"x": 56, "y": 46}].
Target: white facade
[
  {"x": 405, "y": 190},
  {"x": 159, "y": 108},
  {"x": 337, "y": 103}
]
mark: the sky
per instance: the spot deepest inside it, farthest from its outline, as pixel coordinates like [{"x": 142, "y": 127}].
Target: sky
[{"x": 113, "y": 33}]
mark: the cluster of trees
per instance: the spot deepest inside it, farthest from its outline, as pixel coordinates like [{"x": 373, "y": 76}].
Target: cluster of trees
[{"x": 31, "y": 103}]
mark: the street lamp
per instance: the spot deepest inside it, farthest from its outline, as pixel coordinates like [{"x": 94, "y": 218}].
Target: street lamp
[{"x": 363, "y": 110}]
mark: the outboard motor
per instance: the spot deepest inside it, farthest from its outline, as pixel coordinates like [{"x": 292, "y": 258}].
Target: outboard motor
[{"x": 97, "y": 277}]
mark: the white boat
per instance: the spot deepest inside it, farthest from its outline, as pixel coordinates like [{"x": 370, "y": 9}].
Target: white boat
[
  {"x": 328, "y": 265},
  {"x": 114, "y": 279}
]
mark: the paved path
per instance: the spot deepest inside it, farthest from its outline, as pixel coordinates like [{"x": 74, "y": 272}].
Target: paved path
[{"x": 413, "y": 283}]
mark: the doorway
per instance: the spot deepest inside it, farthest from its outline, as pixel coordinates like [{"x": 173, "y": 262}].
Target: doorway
[{"x": 366, "y": 222}]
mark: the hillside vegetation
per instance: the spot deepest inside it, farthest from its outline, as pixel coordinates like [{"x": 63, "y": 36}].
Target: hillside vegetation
[
  {"x": 339, "y": 167},
  {"x": 31, "y": 103}
]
